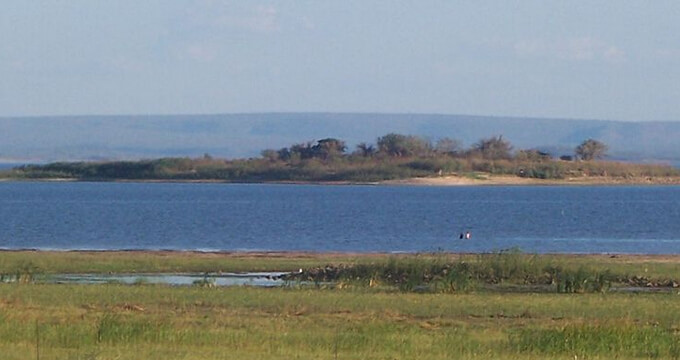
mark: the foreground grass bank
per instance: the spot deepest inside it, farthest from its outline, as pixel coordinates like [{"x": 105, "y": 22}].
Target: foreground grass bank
[
  {"x": 161, "y": 322},
  {"x": 357, "y": 321},
  {"x": 363, "y": 266}
]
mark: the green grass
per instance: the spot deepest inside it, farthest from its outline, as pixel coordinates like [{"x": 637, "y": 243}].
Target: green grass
[
  {"x": 503, "y": 270},
  {"x": 441, "y": 272},
  {"x": 152, "y": 262},
  {"x": 357, "y": 321},
  {"x": 611, "y": 340},
  {"x": 126, "y": 322}
]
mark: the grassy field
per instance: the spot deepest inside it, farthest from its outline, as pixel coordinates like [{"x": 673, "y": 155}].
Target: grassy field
[
  {"x": 356, "y": 321},
  {"x": 50, "y": 262}
]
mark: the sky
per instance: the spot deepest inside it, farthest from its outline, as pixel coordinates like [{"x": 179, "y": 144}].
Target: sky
[{"x": 611, "y": 60}]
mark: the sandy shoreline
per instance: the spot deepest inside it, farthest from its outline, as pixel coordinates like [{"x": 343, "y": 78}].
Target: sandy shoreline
[
  {"x": 501, "y": 180},
  {"x": 479, "y": 179}
]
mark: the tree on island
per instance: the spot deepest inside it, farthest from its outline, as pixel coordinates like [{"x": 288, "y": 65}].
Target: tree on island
[
  {"x": 270, "y": 154},
  {"x": 591, "y": 149},
  {"x": 532, "y": 155},
  {"x": 365, "y": 150},
  {"x": 324, "y": 149},
  {"x": 329, "y": 148},
  {"x": 493, "y": 148},
  {"x": 398, "y": 145},
  {"x": 448, "y": 146},
  {"x": 395, "y": 156}
]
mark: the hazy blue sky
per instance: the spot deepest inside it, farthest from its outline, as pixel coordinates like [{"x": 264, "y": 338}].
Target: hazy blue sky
[{"x": 575, "y": 59}]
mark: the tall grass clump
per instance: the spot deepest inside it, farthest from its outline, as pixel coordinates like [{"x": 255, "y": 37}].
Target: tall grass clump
[
  {"x": 406, "y": 274},
  {"x": 580, "y": 280},
  {"x": 459, "y": 277},
  {"x": 510, "y": 265},
  {"x": 611, "y": 341},
  {"x": 432, "y": 273},
  {"x": 25, "y": 273}
]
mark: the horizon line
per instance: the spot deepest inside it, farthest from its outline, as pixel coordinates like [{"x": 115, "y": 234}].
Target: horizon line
[{"x": 171, "y": 115}]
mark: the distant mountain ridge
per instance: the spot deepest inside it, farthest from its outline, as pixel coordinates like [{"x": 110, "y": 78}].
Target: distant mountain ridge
[{"x": 61, "y": 138}]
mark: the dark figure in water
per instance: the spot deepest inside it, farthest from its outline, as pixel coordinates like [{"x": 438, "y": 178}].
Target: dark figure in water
[{"x": 461, "y": 236}]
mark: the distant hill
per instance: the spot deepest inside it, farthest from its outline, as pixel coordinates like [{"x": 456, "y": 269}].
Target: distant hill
[{"x": 39, "y": 139}]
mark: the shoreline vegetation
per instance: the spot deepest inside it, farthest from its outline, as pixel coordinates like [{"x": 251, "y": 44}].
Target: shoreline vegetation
[
  {"x": 505, "y": 305},
  {"x": 507, "y": 265},
  {"x": 395, "y": 159}
]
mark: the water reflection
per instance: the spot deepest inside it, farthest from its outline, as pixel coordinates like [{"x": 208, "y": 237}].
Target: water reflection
[{"x": 259, "y": 279}]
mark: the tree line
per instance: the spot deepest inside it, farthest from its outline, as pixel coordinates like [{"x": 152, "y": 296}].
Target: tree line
[{"x": 402, "y": 146}]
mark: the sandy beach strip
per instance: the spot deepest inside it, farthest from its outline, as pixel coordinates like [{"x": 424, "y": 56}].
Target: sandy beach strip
[{"x": 500, "y": 180}]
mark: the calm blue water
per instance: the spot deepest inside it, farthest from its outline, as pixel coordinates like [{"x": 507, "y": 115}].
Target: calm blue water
[{"x": 339, "y": 218}]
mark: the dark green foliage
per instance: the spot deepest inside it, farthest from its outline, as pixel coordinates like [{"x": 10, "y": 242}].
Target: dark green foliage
[
  {"x": 144, "y": 169},
  {"x": 591, "y": 149},
  {"x": 365, "y": 150},
  {"x": 457, "y": 278},
  {"x": 329, "y": 148},
  {"x": 437, "y": 274},
  {"x": 403, "y": 145},
  {"x": 436, "y": 165},
  {"x": 324, "y": 149},
  {"x": 542, "y": 170},
  {"x": 493, "y": 148},
  {"x": 580, "y": 280}
]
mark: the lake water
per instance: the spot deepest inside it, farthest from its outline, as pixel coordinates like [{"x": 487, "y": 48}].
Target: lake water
[{"x": 207, "y": 217}]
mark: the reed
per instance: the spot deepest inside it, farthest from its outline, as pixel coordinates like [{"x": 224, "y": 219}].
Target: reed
[{"x": 436, "y": 273}]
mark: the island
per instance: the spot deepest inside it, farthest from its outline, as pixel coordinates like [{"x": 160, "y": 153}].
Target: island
[{"x": 393, "y": 159}]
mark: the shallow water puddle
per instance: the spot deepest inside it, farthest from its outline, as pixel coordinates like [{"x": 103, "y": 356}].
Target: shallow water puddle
[{"x": 262, "y": 279}]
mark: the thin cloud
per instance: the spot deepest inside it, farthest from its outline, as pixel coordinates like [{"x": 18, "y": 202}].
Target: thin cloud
[
  {"x": 307, "y": 23},
  {"x": 613, "y": 53},
  {"x": 580, "y": 49},
  {"x": 262, "y": 19},
  {"x": 445, "y": 69},
  {"x": 126, "y": 63},
  {"x": 668, "y": 54},
  {"x": 201, "y": 52}
]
